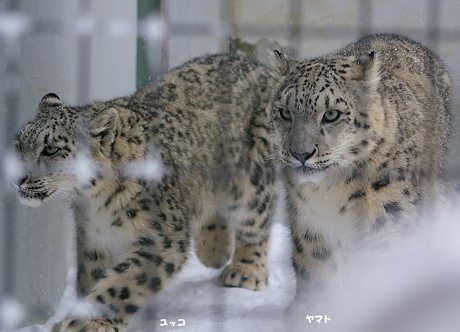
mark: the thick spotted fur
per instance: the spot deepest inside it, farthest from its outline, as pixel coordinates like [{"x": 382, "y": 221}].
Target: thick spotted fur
[
  {"x": 361, "y": 140},
  {"x": 206, "y": 122}
]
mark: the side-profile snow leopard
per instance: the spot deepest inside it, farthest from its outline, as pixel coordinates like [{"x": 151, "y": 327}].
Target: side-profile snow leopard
[
  {"x": 361, "y": 139},
  {"x": 207, "y": 123}
]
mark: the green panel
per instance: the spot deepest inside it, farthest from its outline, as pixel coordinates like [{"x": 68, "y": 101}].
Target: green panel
[{"x": 144, "y": 8}]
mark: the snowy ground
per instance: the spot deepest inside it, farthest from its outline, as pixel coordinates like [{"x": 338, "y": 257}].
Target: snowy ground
[
  {"x": 197, "y": 299},
  {"x": 423, "y": 296}
]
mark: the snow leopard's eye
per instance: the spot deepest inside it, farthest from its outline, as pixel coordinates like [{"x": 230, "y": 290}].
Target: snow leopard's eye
[
  {"x": 49, "y": 151},
  {"x": 331, "y": 116},
  {"x": 285, "y": 114}
]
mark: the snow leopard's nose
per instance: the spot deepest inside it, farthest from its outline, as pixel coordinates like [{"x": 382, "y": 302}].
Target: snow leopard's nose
[
  {"x": 20, "y": 181},
  {"x": 302, "y": 157}
]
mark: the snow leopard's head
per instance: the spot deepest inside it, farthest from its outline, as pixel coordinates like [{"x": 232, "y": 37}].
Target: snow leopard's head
[
  {"x": 322, "y": 113},
  {"x": 45, "y": 146},
  {"x": 55, "y": 150}
]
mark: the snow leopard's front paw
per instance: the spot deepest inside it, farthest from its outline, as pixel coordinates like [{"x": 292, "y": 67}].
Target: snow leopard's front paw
[
  {"x": 91, "y": 325},
  {"x": 244, "y": 275},
  {"x": 213, "y": 243}
]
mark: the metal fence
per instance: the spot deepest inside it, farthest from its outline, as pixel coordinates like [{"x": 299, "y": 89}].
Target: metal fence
[
  {"x": 86, "y": 50},
  {"x": 314, "y": 28}
]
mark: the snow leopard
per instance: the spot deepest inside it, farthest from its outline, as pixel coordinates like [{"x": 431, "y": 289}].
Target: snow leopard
[
  {"x": 205, "y": 124},
  {"x": 360, "y": 137}
]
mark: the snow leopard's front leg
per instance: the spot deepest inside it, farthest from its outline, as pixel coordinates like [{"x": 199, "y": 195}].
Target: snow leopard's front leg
[
  {"x": 316, "y": 261},
  {"x": 254, "y": 201},
  {"x": 92, "y": 263},
  {"x": 315, "y": 264},
  {"x": 213, "y": 242},
  {"x": 155, "y": 256}
]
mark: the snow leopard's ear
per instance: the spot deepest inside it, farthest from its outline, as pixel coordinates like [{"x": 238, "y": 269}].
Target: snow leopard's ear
[
  {"x": 48, "y": 102},
  {"x": 364, "y": 66},
  {"x": 366, "y": 70},
  {"x": 104, "y": 128},
  {"x": 280, "y": 64}
]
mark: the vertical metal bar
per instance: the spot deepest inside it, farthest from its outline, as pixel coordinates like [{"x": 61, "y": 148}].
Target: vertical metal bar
[
  {"x": 154, "y": 43},
  {"x": 12, "y": 42},
  {"x": 9, "y": 213},
  {"x": 433, "y": 21},
  {"x": 165, "y": 28},
  {"x": 295, "y": 26},
  {"x": 12, "y": 5},
  {"x": 365, "y": 17},
  {"x": 149, "y": 66},
  {"x": 227, "y": 24},
  {"x": 162, "y": 40},
  {"x": 84, "y": 57},
  {"x": 12, "y": 50},
  {"x": 84, "y": 73}
]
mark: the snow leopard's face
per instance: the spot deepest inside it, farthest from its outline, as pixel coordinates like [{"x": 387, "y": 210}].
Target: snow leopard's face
[
  {"x": 47, "y": 151},
  {"x": 321, "y": 115}
]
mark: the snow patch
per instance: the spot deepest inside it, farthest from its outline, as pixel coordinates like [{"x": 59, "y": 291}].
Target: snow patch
[{"x": 12, "y": 314}]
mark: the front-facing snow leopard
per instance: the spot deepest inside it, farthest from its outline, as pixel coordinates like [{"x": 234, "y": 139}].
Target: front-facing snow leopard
[
  {"x": 361, "y": 138},
  {"x": 207, "y": 123}
]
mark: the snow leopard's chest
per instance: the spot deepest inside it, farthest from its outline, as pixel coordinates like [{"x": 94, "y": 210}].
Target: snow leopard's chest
[
  {"x": 330, "y": 211},
  {"x": 106, "y": 228}
]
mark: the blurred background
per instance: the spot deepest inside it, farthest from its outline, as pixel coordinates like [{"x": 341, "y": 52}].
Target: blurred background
[{"x": 100, "y": 49}]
